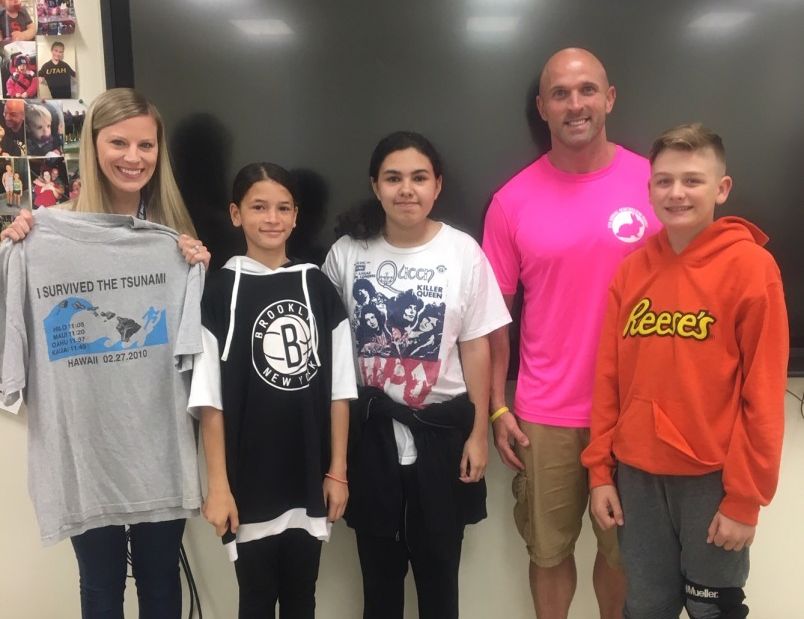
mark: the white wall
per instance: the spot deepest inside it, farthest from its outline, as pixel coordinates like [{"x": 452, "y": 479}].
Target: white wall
[
  {"x": 37, "y": 583},
  {"x": 89, "y": 50}
]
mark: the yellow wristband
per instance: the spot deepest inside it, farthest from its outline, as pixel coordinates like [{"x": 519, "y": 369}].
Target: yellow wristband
[{"x": 498, "y": 413}]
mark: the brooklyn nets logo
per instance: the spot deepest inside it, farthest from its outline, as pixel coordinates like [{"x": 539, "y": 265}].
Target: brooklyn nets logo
[{"x": 281, "y": 346}]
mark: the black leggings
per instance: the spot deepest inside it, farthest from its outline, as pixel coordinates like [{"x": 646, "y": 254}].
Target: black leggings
[
  {"x": 384, "y": 563},
  {"x": 281, "y": 568}
]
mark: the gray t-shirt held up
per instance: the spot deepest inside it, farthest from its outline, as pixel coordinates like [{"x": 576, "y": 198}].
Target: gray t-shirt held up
[{"x": 99, "y": 319}]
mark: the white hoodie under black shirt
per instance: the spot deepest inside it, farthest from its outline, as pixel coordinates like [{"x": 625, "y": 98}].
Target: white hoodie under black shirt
[{"x": 277, "y": 352}]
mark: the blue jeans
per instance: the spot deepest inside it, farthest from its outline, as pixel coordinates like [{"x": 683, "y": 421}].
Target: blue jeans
[{"x": 101, "y": 555}]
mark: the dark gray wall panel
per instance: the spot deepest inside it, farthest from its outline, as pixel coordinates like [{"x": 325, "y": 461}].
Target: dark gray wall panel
[{"x": 351, "y": 71}]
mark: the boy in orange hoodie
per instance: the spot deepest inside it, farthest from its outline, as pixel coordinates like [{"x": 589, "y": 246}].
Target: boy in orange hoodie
[{"x": 688, "y": 412}]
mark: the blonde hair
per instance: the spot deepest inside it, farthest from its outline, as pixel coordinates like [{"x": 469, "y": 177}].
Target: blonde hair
[
  {"x": 688, "y": 137},
  {"x": 34, "y": 110},
  {"x": 163, "y": 202}
]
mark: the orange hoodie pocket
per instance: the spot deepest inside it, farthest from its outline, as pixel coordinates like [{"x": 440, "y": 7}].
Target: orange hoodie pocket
[
  {"x": 634, "y": 424},
  {"x": 667, "y": 433}
]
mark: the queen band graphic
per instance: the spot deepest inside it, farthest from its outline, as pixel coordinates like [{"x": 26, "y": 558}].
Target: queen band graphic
[{"x": 398, "y": 331}]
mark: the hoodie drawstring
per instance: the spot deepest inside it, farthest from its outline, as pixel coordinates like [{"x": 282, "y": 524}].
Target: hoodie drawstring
[
  {"x": 310, "y": 320},
  {"x": 232, "y": 307}
]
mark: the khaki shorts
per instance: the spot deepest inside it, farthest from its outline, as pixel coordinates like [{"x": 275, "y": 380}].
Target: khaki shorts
[{"x": 552, "y": 494}]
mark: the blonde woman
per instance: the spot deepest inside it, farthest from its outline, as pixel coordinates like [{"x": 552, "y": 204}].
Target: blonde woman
[{"x": 125, "y": 171}]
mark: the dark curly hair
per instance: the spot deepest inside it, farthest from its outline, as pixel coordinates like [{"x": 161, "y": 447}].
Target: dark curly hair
[{"x": 366, "y": 220}]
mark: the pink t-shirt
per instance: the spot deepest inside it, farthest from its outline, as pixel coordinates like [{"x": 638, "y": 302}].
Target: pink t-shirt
[{"x": 563, "y": 235}]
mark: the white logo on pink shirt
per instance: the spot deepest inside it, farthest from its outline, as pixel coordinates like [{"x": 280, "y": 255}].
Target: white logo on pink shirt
[{"x": 628, "y": 224}]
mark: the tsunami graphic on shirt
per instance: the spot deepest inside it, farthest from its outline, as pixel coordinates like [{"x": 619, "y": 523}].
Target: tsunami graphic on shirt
[
  {"x": 282, "y": 345},
  {"x": 79, "y": 327},
  {"x": 398, "y": 321},
  {"x": 76, "y": 326}
]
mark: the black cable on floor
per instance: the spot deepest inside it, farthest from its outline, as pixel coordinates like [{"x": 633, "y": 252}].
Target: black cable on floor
[
  {"x": 128, "y": 552},
  {"x": 800, "y": 399},
  {"x": 184, "y": 562},
  {"x": 195, "y": 600}
]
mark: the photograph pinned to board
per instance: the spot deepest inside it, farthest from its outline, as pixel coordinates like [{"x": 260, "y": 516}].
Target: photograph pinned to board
[
  {"x": 21, "y": 187},
  {"x": 12, "y": 128},
  {"x": 17, "y": 21},
  {"x": 73, "y": 179},
  {"x": 15, "y": 194},
  {"x": 7, "y": 166},
  {"x": 55, "y": 17},
  {"x": 44, "y": 128},
  {"x": 57, "y": 76},
  {"x": 18, "y": 70},
  {"x": 48, "y": 181},
  {"x": 74, "y": 113}
]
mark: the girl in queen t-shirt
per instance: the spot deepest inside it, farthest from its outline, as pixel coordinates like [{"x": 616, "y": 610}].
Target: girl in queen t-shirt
[{"x": 418, "y": 447}]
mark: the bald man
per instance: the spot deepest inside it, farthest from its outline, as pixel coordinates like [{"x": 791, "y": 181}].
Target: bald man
[
  {"x": 12, "y": 124},
  {"x": 560, "y": 227}
]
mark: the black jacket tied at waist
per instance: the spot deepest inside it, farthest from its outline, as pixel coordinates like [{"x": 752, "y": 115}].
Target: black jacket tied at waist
[{"x": 375, "y": 482}]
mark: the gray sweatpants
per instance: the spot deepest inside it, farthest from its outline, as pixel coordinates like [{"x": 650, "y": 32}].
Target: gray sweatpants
[{"x": 663, "y": 544}]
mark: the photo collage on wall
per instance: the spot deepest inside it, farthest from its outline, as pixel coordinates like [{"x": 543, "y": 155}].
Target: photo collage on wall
[{"x": 41, "y": 113}]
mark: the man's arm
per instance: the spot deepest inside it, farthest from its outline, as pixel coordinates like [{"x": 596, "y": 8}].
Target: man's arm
[
  {"x": 506, "y": 429},
  {"x": 500, "y": 354}
]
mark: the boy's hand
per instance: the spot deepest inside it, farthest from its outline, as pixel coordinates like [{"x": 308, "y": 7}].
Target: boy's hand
[
  {"x": 605, "y": 506},
  {"x": 506, "y": 432},
  {"x": 336, "y": 494},
  {"x": 729, "y": 534},
  {"x": 219, "y": 509}
]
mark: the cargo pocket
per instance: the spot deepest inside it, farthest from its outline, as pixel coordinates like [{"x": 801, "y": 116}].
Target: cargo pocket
[{"x": 522, "y": 508}]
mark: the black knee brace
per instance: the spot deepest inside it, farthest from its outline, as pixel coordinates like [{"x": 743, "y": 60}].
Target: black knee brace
[{"x": 729, "y": 600}]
